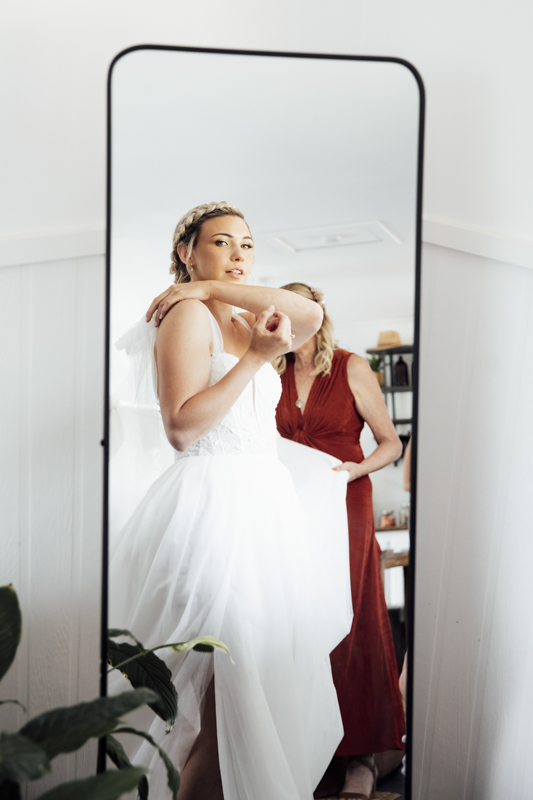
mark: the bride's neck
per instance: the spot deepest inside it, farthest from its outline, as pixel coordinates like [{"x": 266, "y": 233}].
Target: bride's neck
[{"x": 222, "y": 312}]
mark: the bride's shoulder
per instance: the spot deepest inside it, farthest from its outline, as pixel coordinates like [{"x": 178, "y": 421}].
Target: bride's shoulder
[
  {"x": 190, "y": 307},
  {"x": 186, "y": 312},
  {"x": 188, "y": 318}
]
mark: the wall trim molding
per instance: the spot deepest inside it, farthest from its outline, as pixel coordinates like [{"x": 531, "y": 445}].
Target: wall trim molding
[
  {"x": 489, "y": 244},
  {"x": 40, "y": 246},
  {"x": 35, "y": 247}
]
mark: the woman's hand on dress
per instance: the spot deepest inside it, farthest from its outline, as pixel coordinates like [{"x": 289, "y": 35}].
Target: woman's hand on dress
[
  {"x": 196, "y": 290},
  {"x": 271, "y": 335},
  {"x": 352, "y": 468}
]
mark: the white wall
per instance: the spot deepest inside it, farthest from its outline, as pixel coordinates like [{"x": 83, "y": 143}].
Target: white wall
[
  {"x": 473, "y": 666},
  {"x": 476, "y": 62},
  {"x": 52, "y": 329}
]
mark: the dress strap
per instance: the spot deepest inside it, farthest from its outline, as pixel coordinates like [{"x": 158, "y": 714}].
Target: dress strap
[
  {"x": 242, "y": 320},
  {"x": 218, "y": 341}
]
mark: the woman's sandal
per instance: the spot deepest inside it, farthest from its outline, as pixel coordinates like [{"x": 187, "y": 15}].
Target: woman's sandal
[{"x": 369, "y": 762}]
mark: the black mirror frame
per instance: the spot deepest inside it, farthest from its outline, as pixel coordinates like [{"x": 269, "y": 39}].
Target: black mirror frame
[{"x": 415, "y": 369}]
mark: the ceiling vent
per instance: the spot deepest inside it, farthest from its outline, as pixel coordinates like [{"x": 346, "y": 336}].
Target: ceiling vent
[{"x": 330, "y": 236}]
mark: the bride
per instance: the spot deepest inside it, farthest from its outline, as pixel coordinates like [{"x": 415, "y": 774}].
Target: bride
[{"x": 220, "y": 544}]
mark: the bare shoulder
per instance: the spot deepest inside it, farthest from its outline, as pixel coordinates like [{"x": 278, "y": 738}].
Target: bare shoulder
[
  {"x": 361, "y": 379},
  {"x": 189, "y": 310},
  {"x": 358, "y": 367},
  {"x": 188, "y": 320}
]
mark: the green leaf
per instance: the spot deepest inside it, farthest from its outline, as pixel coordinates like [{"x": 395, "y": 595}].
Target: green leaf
[
  {"x": 10, "y": 627},
  {"x": 375, "y": 362},
  {"x": 63, "y": 730},
  {"x": 173, "y": 776},
  {"x": 113, "y": 633},
  {"x": 108, "y": 786},
  {"x": 144, "y": 668},
  {"x": 21, "y": 759},
  {"x": 116, "y": 753}
]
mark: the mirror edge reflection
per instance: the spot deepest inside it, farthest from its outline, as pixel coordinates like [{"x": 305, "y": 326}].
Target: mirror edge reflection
[{"x": 101, "y": 763}]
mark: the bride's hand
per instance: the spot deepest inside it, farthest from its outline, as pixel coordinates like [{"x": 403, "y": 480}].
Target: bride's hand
[
  {"x": 196, "y": 290},
  {"x": 271, "y": 335}
]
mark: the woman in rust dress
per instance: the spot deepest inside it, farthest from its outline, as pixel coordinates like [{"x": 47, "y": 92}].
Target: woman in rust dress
[{"x": 328, "y": 395}]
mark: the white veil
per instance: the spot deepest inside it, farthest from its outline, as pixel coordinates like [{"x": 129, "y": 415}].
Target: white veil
[{"x": 139, "y": 448}]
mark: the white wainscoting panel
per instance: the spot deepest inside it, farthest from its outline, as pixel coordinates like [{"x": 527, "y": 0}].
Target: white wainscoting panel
[
  {"x": 473, "y": 708},
  {"x": 51, "y": 463}
]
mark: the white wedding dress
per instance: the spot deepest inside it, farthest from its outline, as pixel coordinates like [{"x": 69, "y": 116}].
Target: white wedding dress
[{"x": 221, "y": 545}]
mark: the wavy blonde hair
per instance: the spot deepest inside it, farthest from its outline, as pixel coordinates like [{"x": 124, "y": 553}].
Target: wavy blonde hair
[
  {"x": 325, "y": 343},
  {"x": 188, "y": 229}
]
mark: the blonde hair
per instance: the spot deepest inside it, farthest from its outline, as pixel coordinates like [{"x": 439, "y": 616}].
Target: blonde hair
[
  {"x": 325, "y": 343},
  {"x": 187, "y": 231}
]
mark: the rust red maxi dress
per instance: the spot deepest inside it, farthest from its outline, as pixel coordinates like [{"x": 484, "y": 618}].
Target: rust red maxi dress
[{"x": 364, "y": 666}]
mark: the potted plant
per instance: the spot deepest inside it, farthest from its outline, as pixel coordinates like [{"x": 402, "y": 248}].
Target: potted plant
[
  {"x": 376, "y": 365},
  {"x": 27, "y": 754}
]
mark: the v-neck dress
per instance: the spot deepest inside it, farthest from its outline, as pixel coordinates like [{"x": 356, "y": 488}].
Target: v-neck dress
[{"x": 364, "y": 666}]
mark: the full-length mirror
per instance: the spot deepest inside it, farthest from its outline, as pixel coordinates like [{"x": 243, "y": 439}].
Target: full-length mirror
[{"x": 259, "y": 480}]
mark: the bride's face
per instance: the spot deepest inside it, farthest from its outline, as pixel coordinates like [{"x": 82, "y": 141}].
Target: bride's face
[{"x": 224, "y": 251}]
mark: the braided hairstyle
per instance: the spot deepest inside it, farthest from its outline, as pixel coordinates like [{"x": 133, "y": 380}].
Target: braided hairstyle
[
  {"x": 325, "y": 343},
  {"x": 187, "y": 231}
]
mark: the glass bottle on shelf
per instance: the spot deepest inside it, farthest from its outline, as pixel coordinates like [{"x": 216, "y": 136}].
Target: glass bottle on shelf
[
  {"x": 401, "y": 373},
  {"x": 404, "y": 514}
]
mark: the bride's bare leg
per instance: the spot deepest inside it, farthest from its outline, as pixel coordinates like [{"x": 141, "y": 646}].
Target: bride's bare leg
[{"x": 200, "y": 778}]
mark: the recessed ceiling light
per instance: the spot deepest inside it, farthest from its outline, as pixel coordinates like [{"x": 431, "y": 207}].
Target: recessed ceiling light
[{"x": 352, "y": 233}]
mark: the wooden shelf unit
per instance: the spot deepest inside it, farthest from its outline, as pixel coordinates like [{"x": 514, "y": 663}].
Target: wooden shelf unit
[
  {"x": 392, "y": 528},
  {"x": 389, "y": 389}
]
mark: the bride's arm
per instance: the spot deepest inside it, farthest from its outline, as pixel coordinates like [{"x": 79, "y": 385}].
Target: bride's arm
[
  {"x": 305, "y": 315},
  {"x": 189, "y": 409}
]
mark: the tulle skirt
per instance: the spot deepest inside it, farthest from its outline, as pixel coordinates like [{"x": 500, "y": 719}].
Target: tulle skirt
[{"x": 233, "y": 547}]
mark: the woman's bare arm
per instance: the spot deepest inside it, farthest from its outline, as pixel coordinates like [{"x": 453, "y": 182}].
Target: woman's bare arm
[
  {"x": 305, "y": 315},
  {"x": 407, "y": 467},
  {"x": 371, "y": 406},
  {"x": 189, "y": 409}
]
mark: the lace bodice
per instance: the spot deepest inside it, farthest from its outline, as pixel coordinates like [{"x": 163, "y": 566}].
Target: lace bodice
[{"x": 250, "y": 424}]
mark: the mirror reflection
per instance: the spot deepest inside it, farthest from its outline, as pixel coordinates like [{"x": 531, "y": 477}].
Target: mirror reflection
[{"x": 260, "y": 409}]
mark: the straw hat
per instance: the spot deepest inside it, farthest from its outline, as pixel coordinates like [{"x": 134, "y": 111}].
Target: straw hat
[{"x": 388, "y": 339}]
